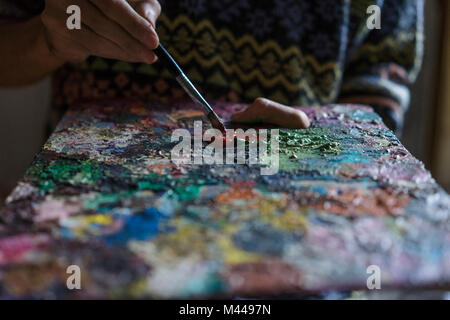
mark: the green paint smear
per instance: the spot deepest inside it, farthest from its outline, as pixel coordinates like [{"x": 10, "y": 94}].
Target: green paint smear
[
  {"x": 103, "y": 199},
  {"x": 189, "y": 192},
  {"x": 186, "y": 187},
  {"x": 306, "y": 143},
  {"x": 64, "y": 171},
  {"x": 154, "y": 181},
  {"x": 150, "y": 185},
  {"x": 320, "y": 141}
]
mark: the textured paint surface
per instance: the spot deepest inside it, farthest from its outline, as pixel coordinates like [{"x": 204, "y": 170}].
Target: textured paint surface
[{"x": 104, "y": 195}]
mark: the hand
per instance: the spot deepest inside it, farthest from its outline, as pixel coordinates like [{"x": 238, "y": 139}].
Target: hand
[
  {"x": 115, "y": 29},
  {"x": 266, "y": 111}
]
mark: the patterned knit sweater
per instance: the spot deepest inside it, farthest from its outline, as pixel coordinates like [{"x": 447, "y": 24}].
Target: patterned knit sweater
[{"x": 296, "y": 52}]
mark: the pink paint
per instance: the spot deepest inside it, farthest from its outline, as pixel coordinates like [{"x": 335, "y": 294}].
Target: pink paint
[
  {"x": 14, "y": 249},
  {"x": 54, "y": 210}
]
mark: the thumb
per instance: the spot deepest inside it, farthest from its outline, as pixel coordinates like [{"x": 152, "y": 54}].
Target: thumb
[
  {"x": 265, "y": 110},
  {"x": 248, "y": 115}
]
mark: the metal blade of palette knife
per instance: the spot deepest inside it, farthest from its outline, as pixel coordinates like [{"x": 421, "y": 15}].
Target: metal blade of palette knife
[{"x": 189, "y": 87}]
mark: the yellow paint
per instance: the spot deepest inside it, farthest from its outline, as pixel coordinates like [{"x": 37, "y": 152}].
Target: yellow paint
[
  {"x": 137, "y": 288},
  {"x": 290, "y": 220},
  {"x": 101, "y": 219},
  {"x": 80, "y": 224},
  {"x": 234, "y": 255}
]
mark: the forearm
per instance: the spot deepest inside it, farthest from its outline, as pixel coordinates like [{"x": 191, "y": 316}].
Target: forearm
[
  {"x": 25, "y": 56},
  {"x": 120, "y": 30}
]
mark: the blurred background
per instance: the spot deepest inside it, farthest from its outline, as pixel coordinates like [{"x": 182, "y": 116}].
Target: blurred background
[{"x": 426, "y": 134}]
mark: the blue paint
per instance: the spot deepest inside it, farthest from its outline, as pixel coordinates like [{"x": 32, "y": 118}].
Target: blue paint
[
  {"x": 320, "y": 190},
  {"x": 141, "y": 226},
  {"x": 105, "y": 125},
  {"x": 365, "y": 116},
  {"x": 352, "y": 156}
]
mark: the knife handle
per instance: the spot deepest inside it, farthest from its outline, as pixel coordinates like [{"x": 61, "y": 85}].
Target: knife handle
[{"x": 168, "y": 61}]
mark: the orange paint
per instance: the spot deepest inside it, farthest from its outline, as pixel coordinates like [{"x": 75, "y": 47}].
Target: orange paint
[{"x": 235, "y": 193}]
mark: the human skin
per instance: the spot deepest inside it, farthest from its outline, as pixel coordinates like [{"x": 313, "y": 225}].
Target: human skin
[
  {"x": 114, "y": 29},
  {"x": 266, "y": 111}
]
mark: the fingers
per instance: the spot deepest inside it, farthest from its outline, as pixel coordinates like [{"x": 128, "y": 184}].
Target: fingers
[
  {"x": 111, "y": 29},
  {"x": 103, "y": 47},
  {"x": 58, "y": 40},
  {"x": 150, "y": 9},
  {"x": 267, "y": 111},
  {"x": 250, "y": 115},
  {"x": 108, "y": 29},
  {"x": 122, "y": 13}
]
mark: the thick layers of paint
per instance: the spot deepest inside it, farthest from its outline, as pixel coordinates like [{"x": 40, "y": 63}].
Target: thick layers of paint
[{"x": 103, "y": 194}]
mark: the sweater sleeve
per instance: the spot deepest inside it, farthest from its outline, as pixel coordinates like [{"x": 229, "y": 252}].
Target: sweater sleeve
[{"x": 381, "y": 63}]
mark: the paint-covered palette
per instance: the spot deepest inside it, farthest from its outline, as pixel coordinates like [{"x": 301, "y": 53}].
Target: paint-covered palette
[{"x": 104, "y": 195}]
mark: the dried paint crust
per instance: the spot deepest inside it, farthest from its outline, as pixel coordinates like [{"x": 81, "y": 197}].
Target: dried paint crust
[{"x": 103, "y": 194}]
